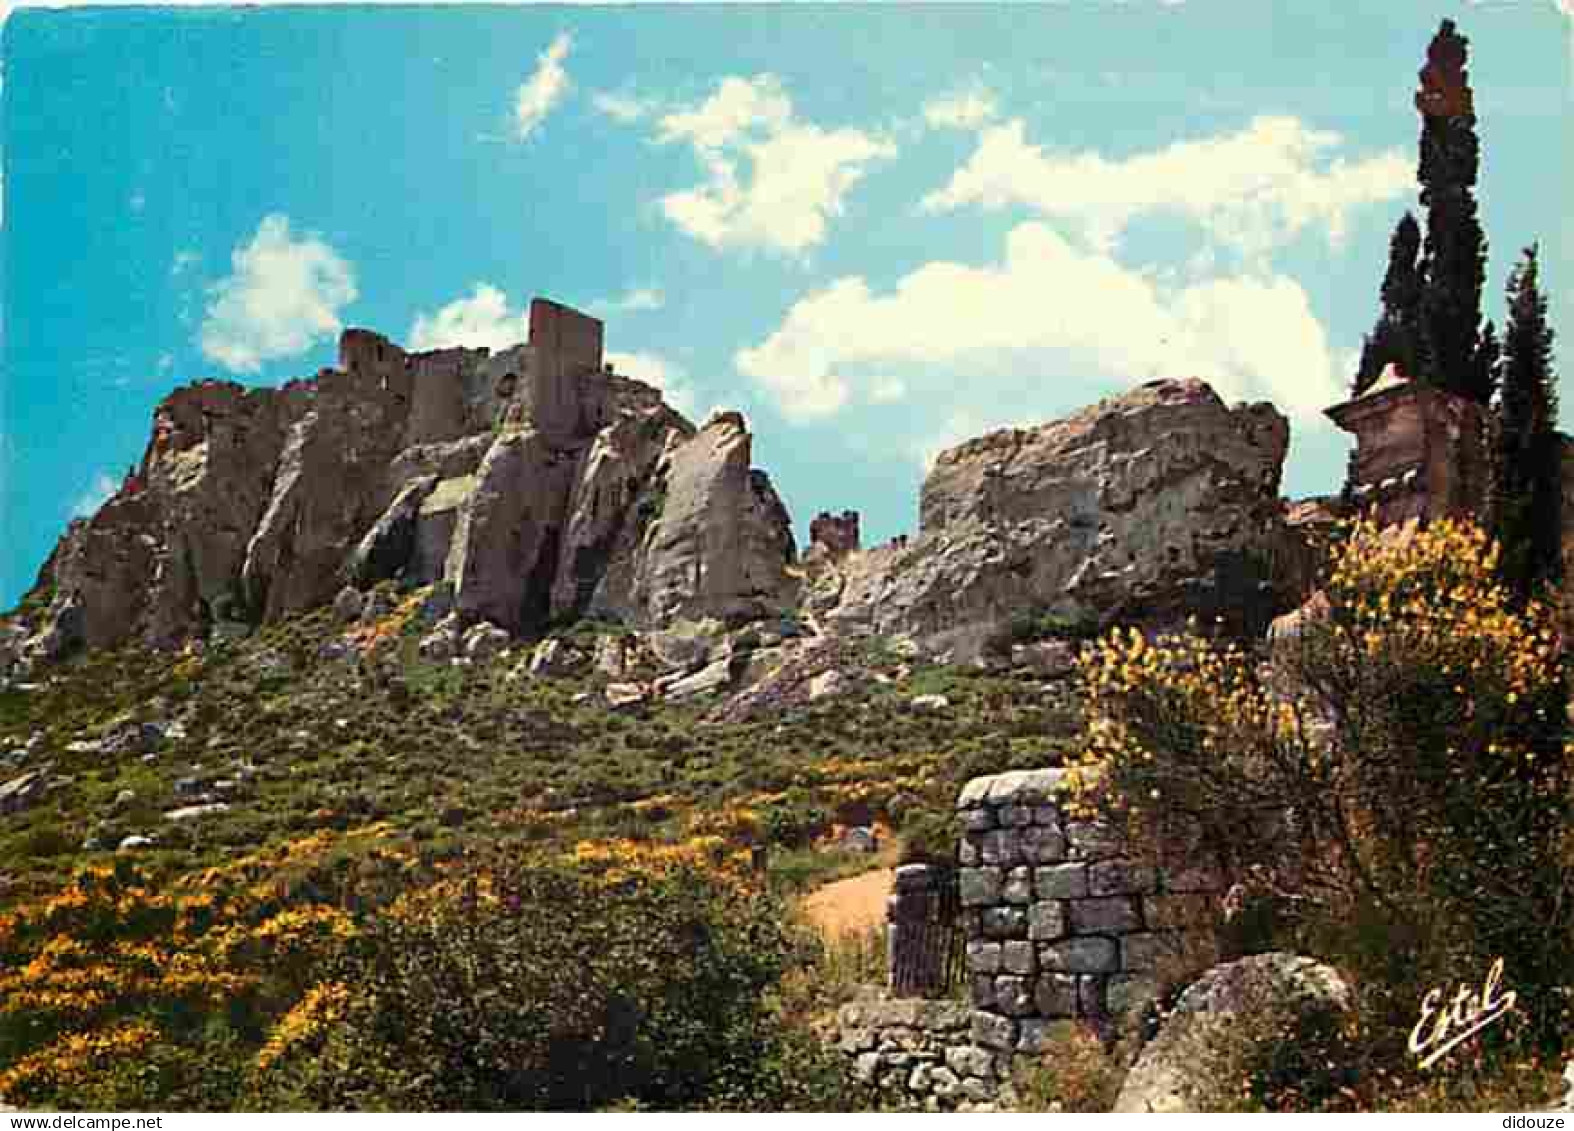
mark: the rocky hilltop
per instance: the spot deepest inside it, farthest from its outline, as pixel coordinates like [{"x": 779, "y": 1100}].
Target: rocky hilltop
[
  {"x": 534, "y": 486},
  {"x": 531, "y": 484},
  {"x": 1152, "y": 506}
]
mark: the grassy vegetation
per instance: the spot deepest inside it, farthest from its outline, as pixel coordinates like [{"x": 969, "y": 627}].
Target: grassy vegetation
[
  {"x": 383, "y": 766},
  {"x": 447, "y": 755}
]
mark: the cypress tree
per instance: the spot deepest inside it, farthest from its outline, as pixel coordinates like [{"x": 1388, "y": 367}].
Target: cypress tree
[
  {"x": 1396, "y": 337},
  {"x": 1454, "y": 257},
  {"x": 1527, "y": 460}
]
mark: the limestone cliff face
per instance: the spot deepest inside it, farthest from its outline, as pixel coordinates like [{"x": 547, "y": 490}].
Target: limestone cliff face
[
  {"x": 1149, "y": 506},
  {"x": 712, "y": 537},
  {"x": 517, "y": 476}
]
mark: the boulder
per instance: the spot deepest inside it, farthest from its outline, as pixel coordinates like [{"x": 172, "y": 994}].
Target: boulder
[
  {"x": 1053, "y": 659},
  {"x": 712, "y": 677},
  {"x": 192, "y": 812},
  {"x": 1166, "y": 1078},
  {"x": 624, "y": 695},
  {"x": 827, "y": 684},
  {"x": 386, "y": 550},
  {"x": 347, "y": 604},
  {"x": 930, "y": 704},
  {"x": 482, "y": 642},
  {"x": 135, "y": 738},
  {"x": 1154, "y": 505},
  {"x": 504, "y": 549},
  {"x": 555, "y": 658},
  {"x": 21, "y": 792},
  {"x": 686, "y": 645},
  {"x": 442, "y": 643},
  {"x": 614, "y": 655}
]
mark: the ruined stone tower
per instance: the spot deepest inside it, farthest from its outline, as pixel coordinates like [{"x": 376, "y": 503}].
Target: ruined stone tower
[{"x": 837, "y": 533}]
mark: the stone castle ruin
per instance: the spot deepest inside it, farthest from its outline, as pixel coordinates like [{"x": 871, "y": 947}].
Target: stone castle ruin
[
  {"x": 533, "y": 482},
  {"x": 837, "y": 533}
]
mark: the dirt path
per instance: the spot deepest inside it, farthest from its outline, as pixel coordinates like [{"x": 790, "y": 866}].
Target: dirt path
[{"x": 852, "y": 905}]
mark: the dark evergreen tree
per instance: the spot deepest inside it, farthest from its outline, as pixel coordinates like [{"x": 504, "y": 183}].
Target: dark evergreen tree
[
  {"x": 1396, "y": 337},
  {"x": 1483, "y": 372},
  {"x": 1453, "y": 266},
  {"x": 1527, "y": 457}
]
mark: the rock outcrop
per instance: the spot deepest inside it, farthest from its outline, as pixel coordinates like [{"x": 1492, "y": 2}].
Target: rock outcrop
[
  {"x": 533, "y": 483},
  {"x": 711, "y": 538},
  {"x": 1149, "y": 507},
  {"x": 1286, "y": 994}
]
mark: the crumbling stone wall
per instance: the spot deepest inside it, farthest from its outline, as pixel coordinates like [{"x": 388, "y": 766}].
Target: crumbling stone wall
[
  {"x": 570, "y": 342},
  {"x": 1058, "y": 924},
  {"x": 837, "y": 533},
  {"x": 919, "y": 1054}
]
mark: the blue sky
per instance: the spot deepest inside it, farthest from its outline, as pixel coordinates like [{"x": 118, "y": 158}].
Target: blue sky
[{"x": 876, "y": 230}]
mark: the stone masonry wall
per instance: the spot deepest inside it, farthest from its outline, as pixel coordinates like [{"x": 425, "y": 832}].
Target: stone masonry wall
[
  {"x": 918, "y": 1053},
  {"x": 1058, "y": 925}
]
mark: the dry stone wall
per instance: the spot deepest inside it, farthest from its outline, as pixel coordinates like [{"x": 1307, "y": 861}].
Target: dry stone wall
[
  {"x": 918, "y": 1054},
  {"x": 1058, "y": 925}
]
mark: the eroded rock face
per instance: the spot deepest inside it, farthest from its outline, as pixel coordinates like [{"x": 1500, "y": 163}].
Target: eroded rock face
[
  {"x": 711, "y": 537},
  {"x": 1149, "y": 506},
  {"x": 529, "y": 483}
]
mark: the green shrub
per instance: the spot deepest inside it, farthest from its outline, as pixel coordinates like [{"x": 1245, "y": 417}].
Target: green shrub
[
  {"x": 528, "y": 985},
  {"x": 1075, "y": 1072}
]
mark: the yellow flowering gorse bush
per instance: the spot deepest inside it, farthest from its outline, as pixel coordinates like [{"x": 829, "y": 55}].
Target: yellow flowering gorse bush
[{"x": 1401, "y": 759}]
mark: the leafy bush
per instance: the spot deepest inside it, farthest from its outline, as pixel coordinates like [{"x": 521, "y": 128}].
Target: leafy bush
[
  {"x": 1028, "y": 626},
  {"x": 536, "y": 985},
  {"x": 1400, "y": 785},
  {"x": 1074, "y": 1072},
  {"x": 118, "y": 967}
]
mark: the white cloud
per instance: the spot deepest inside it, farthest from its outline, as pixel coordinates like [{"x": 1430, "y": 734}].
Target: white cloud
[
  {"x": 282, "y": 295},
  {"x": 1251, "y": 190},
  {"x": 887, "y": 390},
  {"x": 95, "y": 496},
  {"x": 668, "y": 376},
  {"x": 544, "y": 89},
  {"x": 963, "y": 109},
  {"x": 641, "y": 298},
  {"x": 483, "y": 319},
  {"x": 774, "y": 181},
  {"x": 1050, "y": 321},
  {"x": 622, "y": 107},
  {"x": 182, "y": 262},
  {"x": 962, "y": 424}
]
